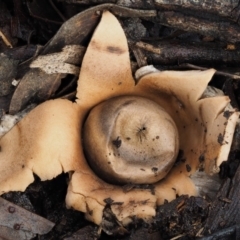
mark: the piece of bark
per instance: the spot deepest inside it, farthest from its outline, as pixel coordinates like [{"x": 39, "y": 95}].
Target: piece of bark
[
  {"x": 17, "y": 218},
  {"x": 228, "y": 9},
  {"x": 223, "y": 30},
  {"x": 177, "y": 52},
  {"x": 225, "y": 210}
]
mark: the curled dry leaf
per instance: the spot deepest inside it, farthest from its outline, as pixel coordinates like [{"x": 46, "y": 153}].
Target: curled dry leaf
[
  {"x": 39, "y": 83},
  {"x": 50, "y": 138},
  {"x": 36, "y": 82},
  {"x": 62, "y": 62},
  {"x": 44, "y": 76}
]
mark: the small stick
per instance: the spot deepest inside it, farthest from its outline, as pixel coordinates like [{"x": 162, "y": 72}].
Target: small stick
[
  {"x": 176, "y": 52},
  {"x": 148, "y": 47},
  {"x": 5, "y": 40}
]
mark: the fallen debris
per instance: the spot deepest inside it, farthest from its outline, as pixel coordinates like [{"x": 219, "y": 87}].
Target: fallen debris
[{"x": 18, "y": 223}]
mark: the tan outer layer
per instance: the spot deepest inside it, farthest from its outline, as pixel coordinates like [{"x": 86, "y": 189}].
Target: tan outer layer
[
  {"x": 89, "y": 198},
  {"x": 40, "y": 144},
  {"x": 200, "y": 122},
  {"x": 108, "y": 50}
]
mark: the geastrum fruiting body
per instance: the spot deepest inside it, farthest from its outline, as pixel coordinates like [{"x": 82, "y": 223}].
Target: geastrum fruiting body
[
  {"x": 121, "y": 131},
  {"x": 124, "y": 143}
]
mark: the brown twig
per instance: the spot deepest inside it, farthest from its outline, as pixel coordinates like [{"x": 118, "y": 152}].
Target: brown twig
[
  {"x": 220, "y": 73},
  {"x": 5, "y": 40},
  {"x": 177, "y": 52}
]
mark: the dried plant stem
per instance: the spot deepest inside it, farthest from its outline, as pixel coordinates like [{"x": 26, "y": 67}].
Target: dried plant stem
[
  {"x": 177, "y": 52},
  {"x": 5, "y": 40}
]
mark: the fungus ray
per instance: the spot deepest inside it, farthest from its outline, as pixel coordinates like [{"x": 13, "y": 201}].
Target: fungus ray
[{"x": 106, "y": 70}]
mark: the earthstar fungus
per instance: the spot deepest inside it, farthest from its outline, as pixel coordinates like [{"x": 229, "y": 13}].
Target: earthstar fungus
[
  {"x": 124, "y": 143},
  {"x": 49, "y": 139}
]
